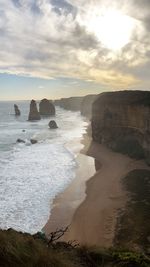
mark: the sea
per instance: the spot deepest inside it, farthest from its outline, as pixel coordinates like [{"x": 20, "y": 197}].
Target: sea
[{"x": 31, "y": 176}]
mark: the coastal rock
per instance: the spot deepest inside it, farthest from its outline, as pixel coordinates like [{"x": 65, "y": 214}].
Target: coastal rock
[
  {"x": 20, "y": 141},
  {"x": 52, "y": 124},
  {"x": 33, "y": 114},
  {"x": 33, "y": 141},
  {"x": 17, "y": 111},
  {"x": 121, "y": 120},
  {"x": 46, "y": 108}
]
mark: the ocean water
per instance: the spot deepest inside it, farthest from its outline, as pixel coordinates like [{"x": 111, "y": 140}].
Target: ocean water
[{"x": 32, "y": 175}]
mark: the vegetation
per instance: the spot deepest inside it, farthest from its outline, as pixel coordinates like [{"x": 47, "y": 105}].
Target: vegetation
[
  {"x": 23, "y": 250},
  {"x": 133, "y": 228},
  {"x": 130, "y": 147}
]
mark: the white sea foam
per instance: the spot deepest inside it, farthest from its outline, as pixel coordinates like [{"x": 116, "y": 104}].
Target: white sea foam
[
  {"x": 32, "y": 175},
  {"x": 30, "y": 180}
]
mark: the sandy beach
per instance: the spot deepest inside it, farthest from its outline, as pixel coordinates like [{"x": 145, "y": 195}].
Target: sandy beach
[
  {"x": 66, "y": 203},
  {"x": 92, "y": 202}
]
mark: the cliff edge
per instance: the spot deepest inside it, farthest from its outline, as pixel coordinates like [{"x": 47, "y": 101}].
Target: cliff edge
[
  {"x": 81, "y": 103},
  {"x": 121, "y": 120}
]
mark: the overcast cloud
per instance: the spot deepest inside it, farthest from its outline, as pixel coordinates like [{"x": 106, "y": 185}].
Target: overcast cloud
[{"x": 49, "y": 39}]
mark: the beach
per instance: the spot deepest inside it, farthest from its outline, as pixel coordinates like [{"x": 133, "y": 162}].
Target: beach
[
  {"x": 93, "y": 201},
  {"x": 66, "y": 203}
]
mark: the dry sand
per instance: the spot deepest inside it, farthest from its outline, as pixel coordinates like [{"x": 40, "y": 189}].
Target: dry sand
[{"x": 92, "y": 205}]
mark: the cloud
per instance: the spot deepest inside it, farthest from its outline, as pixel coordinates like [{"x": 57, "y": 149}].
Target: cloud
[
  {"x": 41, "y": 87},
  {"x": 47, "y": 39},
  {"x": 62, "y": 6}
]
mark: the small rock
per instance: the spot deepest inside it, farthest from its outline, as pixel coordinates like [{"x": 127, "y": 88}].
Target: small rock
[
  {"x": 33, "y": 141},
  {"x": 20, "y": 140},
  {"x": 52, "y": 125}
]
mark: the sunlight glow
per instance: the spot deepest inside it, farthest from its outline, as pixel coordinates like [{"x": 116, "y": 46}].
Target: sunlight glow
[{"x": 112, "y": 28}]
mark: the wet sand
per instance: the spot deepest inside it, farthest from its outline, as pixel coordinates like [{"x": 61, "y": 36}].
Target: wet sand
[
  {"x": 91, "y": 204},
  {"x": 66, "y": 203}
]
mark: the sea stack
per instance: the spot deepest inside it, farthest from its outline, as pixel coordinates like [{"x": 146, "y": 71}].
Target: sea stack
[
  {"x": 46, "y": 108},
  {"x": 17, "y": 111},
  {"x": 33, "y": 114}
]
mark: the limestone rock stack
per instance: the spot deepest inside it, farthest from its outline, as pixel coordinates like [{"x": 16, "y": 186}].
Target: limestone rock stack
[
  {"x": 17, "y": 111},
  {"x": 46, "y": 108},
  {"x": 34, "y": 114}
]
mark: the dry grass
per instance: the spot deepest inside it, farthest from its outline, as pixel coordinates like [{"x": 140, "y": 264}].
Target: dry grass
[{"x": 24, "y": 250}]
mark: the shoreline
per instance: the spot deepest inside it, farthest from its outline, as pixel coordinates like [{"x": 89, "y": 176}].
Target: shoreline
[
  {"x": 91, "y": 204},
  {"x": 95, "y": 220},
  {"x": 66, "y": 203}
]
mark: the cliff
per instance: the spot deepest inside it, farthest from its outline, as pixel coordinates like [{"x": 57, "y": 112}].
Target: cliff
[
  {"x": 81, "y": 103},
  {"x": 121, "y": 120},
  {"x": 71, "y": 103},
  {"x": 86, "y": 105}
]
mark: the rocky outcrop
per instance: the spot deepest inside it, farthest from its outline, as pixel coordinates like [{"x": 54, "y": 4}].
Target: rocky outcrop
[
  {"x": 52, "y": 124},
  {"x": 17, "y": 111},
  {"x": 20, "y": 140},
  {"x": 46, "y": 108},
  {"x": 33, "y": 141},
  {"x": 121, "y": 120},
  {"x": 34, "y": 115}
]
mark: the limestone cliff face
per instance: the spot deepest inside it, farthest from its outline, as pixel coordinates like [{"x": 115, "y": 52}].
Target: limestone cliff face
[
  {"x": 121, "y": 120},
  {"x": 81, "y": 103},
  {"x": 86, "y": 105},
  {"x": 71, "y": 103}
]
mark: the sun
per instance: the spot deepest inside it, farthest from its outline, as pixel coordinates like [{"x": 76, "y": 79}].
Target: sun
[{"x": 111, "y": 27}]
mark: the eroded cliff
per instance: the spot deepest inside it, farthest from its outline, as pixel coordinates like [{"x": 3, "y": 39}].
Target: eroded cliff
[
  {"x": 86, "y": 105},
  {"x": 70, "y": 103},
  {"x": 121, "y": 120},
  {"x": 81, "y": 103}
]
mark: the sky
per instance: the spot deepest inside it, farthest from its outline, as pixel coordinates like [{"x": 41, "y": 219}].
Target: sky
[{"x": 62, "y": 48}]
